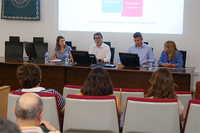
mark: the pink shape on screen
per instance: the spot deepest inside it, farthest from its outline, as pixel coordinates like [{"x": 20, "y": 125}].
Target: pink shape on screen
[{"x": 132, "y": 8}]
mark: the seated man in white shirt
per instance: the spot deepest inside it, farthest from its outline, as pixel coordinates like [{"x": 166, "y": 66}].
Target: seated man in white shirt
[{"x": 100, "y": 49}]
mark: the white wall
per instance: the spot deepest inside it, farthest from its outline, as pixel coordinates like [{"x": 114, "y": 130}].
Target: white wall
[{"x": 47, "y": 27}]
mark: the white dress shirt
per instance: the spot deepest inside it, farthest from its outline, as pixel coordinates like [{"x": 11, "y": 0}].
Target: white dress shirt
[{"x": 101, "y": 53}]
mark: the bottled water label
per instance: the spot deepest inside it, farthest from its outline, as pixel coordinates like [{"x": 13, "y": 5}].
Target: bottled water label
[
  {"x": 46, "y": 57},
  {"x": 67, "y": 57}
]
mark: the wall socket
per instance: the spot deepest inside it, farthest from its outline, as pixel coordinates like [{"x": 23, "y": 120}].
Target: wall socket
[{"x": 196, "y": 72}]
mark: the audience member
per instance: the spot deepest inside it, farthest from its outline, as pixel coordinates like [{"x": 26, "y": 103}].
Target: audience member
[
  {"x": 163, "y": 86},
  {"x": 170, "y": 56},
  {"x": 100, "y": 49},
  {"x": 7, "y": 126},
  {"x": 30, "y": 77},
  {"x": 98, "y": 83},
  {"x": 61, "y": 49},
  {"x": 143, "y": 50},
  {"x": 28, "y": 112}
]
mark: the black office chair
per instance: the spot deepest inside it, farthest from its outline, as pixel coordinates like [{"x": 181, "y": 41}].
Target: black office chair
[
  {"x": 184, "y": 53},
  {"x": 112, "y": 51},
  {"x": 108, "y": 43},
  {"x": 69, "y": 43},
  {"x": 38, "y": 40},
  {"x": 41, "y": 47},
  {"x": 146, "y": 43},
  {"x": 13, "y": 47},
  {"x": 73, "y": 47}
]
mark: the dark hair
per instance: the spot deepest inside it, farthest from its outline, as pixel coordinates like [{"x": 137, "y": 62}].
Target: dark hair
[
  {"x": 30, "y": 113},
  {"x": 98, "y": 33},
  {"x": 98, "y": 83},
  {"x": 162, "y": 84},
  {"x": 137, "y": 34},
  {"x": 7, "y": 126},
  {"x": 29, "y": 75},
  {"x": 57, "y": 41}
]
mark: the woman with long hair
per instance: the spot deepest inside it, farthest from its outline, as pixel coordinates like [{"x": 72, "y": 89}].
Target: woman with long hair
[
  {"x": 61, "y": 49},
  {"x": 170, "y": 56},
  {"x": 98, "y": 83},
  {"x": 163, "y": 86}
]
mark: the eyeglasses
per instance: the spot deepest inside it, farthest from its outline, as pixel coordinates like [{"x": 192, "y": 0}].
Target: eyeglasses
[{"x": 97, "y": 38}]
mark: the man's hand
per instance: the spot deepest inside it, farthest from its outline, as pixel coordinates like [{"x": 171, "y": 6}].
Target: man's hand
[{"x": 48, "y": 126}]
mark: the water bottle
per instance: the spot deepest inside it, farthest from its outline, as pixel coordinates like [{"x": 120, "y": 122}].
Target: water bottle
[
  {"x": 67, "y": 57},
  {"x": 150, "y": 63},
  {"x": 46, "y": 57},
  {"x": 118, "y": 60}
]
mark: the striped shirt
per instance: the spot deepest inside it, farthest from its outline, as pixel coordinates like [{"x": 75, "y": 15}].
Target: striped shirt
[{"x": 61, "y": 100}]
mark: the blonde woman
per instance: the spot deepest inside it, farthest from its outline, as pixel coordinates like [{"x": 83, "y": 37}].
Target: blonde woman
[{"x": 170, "y": 56}]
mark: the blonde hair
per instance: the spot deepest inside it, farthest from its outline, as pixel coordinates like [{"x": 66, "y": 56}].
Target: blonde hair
[{"x": 171, "y": 49}]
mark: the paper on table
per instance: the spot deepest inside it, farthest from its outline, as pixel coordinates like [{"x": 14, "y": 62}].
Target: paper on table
[{"x": 56, "y": 60}]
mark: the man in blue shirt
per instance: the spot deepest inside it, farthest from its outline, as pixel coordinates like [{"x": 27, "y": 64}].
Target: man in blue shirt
[{"x": 144, "y": 51}]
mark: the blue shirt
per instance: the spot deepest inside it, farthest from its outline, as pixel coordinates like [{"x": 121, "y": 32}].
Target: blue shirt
[
  {"x": 178, "y": 60},
  {"x": 60, "y": 55},
  {"x": 144, "y": 53}
]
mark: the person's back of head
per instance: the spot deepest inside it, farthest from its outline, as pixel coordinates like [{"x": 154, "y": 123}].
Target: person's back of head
[
  {"x": 29, "y": 75},
  {"x": 29, "y": 109},
  {"x": 98, "y": 83},
  {"x": 162, "y": 84},
  {"x": 7, "y": 126}
]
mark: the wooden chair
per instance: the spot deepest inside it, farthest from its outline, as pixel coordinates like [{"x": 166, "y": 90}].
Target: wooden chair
[
  {"x": 4, "y": 91},
  {"x": 197, "y": 93}
]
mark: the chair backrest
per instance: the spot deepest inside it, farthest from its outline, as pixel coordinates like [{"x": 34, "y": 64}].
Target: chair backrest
[
  {"x": 192, "y": 119},
  {"x": 14, "y": 39},
  {"x": 147, "y": 43},
  {"x": 184, "y": 97},
  {"x": 96, "y": 114},
  {"x": 112, "y": 51},
  {"x": 41, "y": 49},
  {"x": 71, "y": 89},
  {"x": 127, "y": 93},
  {"x": 4, "y": 91},
  {"x": 151, "y": 115},
  {"x": 38, "y": 39},
  {"x": 14, "y": 49},
  {"x": 50, "y": 108},
  {"x": 73, "y": 47},
  {"x": 108, "y": 43},
  {"x": 184, "y": 53},
  {"x": 68, "y": 43}
]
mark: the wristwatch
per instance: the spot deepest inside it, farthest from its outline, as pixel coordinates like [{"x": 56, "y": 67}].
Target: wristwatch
[{"x": 99, "y": 60}]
